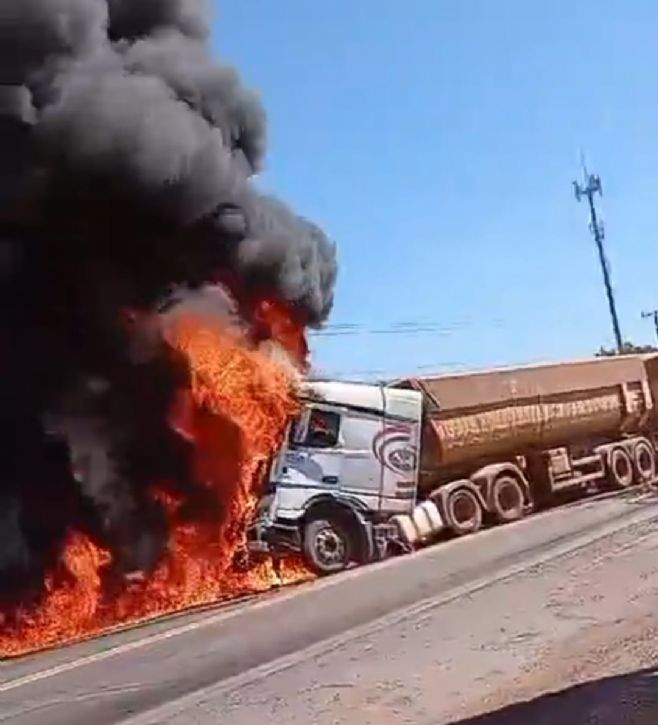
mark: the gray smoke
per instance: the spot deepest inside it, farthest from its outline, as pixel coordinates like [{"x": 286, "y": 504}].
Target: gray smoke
[
  {"x": 125, "y": 93},
  {"x": 131, "y": 19},
  {"x": 126, "y": 162}
]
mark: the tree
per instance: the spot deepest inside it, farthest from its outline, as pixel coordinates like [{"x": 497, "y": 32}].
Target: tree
[{"x": 628, "y": 348}]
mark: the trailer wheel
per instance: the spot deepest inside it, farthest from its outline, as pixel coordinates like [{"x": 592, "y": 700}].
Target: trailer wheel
[
  {"x": 644, "y": 458},
  {"x": 507, "y": 499},
  {"x": 463, "y": 512},
  {"x": 328, "y": 546},
  {"x": 620, "y": 469}
]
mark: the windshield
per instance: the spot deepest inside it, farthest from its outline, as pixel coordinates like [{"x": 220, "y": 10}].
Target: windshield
[{"x": 316, "y": 428}]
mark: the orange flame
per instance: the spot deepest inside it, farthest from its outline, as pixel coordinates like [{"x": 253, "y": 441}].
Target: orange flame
[
  {"x": 279, "y": 322},
  {"x": 235, "y": 413}
]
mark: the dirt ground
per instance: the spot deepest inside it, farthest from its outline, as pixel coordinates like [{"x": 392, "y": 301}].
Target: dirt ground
[
  {"x": 550, "y": 620},
  {"x": 571, "y": 641}
]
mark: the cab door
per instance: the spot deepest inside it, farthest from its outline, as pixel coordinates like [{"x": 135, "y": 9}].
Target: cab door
[{"x": 361, "y": 471}]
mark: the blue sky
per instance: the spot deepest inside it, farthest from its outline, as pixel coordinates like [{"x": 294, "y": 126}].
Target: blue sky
[{"x": 436, "y": 142}]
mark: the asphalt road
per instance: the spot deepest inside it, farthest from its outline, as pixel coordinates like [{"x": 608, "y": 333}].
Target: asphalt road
[{"x": 464, "y": 628}]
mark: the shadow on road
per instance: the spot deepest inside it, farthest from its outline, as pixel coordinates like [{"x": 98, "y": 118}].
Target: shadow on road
[{"x": 630, "y": 699}]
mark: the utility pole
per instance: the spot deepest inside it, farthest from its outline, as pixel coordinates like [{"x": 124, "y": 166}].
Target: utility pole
[
  {"x": 592, "y": 186},
  {"x": 654, "y": 314}
]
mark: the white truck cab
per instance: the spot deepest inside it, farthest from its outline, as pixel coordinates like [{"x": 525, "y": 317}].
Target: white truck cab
[{"x": 348, "y": 468}]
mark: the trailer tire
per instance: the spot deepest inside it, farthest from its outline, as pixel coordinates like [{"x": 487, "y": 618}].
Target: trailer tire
[
  {"x": 463, "y": 511},
  {"x": 328, "y": 545},
  {"x": 507, "y": 499},
  {"x": 644, "y": 458},
  {"x": 620, "y": 469}
]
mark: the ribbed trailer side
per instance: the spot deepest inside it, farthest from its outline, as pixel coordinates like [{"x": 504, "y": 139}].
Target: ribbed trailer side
[{"x": 500, "y": 413}]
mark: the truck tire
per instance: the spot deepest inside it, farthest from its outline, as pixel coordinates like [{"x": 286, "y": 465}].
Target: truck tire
[
  {"x": 463, "y": 511},
  {"x": 620, "y": 469},
  {"x": 328, "y": 546},
  {"x": 507, "y": 499},
  {"x": 644, "y": 458}
]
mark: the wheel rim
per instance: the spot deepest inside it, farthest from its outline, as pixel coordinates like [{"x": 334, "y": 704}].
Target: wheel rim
[
  {"x": 330, "y": 547},
  {"x": 644, "y": 462},
  {"x": 622, "y": 469},
  {"x": 464, "y": 509},
  {"x": 509, "y": 497}
]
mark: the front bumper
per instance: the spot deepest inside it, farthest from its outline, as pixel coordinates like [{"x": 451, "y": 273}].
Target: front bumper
[{"x": 271, "y": 538}]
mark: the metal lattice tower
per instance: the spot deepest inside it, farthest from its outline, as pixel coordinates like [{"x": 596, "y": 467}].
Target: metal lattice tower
[{"x": 592, "y": 186}]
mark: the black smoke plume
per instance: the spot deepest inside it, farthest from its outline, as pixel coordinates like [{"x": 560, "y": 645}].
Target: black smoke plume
[{"x": 126, "y": 155}]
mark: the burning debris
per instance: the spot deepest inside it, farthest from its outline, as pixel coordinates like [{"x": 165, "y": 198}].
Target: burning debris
[{"x": 153, "y": 307}]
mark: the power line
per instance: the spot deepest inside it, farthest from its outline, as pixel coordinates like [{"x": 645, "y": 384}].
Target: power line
[
  {"x": 402, "y": 324},
  {"x": 593, "y": 186},
  {"x": 395, "y": 329},
  {"x": 388, "y": 373},
  {"x": 408, "y": 327}
]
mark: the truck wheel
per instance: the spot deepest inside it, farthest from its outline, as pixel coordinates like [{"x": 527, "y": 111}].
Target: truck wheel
[
  {"x": 327, "y": 547},
  {"x": 507, "y": 499},
  {"x": 620, "y": 469},
  {"x": 463, "y": 511},
  {"x": 644, "y": 458}
]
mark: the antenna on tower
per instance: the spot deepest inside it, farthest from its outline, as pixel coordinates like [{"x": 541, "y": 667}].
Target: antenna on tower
[
  {"x": 654, "y": 315},
  {"x": 591, "y": 186}
]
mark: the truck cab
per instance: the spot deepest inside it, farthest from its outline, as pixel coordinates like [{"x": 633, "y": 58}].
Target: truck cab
[{"x": 349, "y": 464}]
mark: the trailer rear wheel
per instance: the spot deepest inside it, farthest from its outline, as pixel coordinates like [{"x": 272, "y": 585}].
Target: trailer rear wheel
[
  {"x": 463, "y": 511},
  {"x": 620, "y": 469},
  {"x": 507, "y": 499},
  {"x": 644, "y": 458}
]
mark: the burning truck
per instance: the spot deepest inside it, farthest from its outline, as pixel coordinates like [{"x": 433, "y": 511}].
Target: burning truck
[
  {"x": 153, "y": 308},
  {"x": 371, "y": 470}
]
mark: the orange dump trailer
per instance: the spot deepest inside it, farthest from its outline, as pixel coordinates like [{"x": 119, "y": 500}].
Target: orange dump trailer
[{"x": 500, "y": 440}]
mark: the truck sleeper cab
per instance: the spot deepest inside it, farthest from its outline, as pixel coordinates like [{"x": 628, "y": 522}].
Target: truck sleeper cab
[{"x": 349, "y": 466}]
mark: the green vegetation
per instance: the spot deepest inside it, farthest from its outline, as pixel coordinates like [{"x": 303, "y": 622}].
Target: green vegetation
[{"x": 628, "y": 349}]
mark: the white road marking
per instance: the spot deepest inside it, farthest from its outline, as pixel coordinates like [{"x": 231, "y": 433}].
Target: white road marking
[
  {"x": 175, "y": 632},
  {"x": 131, "y": 646},
  {"x": 614, "y": 525},
  {"x": 98, "y": 657},
  {"x": 160, "y": 713}
]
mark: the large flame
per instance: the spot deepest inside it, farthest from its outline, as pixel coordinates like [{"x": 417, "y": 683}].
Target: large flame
[
  {"x": 235, "y": 413},
  {"x": 278, "y": 322}
]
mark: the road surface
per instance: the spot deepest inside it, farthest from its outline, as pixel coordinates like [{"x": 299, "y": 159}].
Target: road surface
[{"x": 470, "y": 627}]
